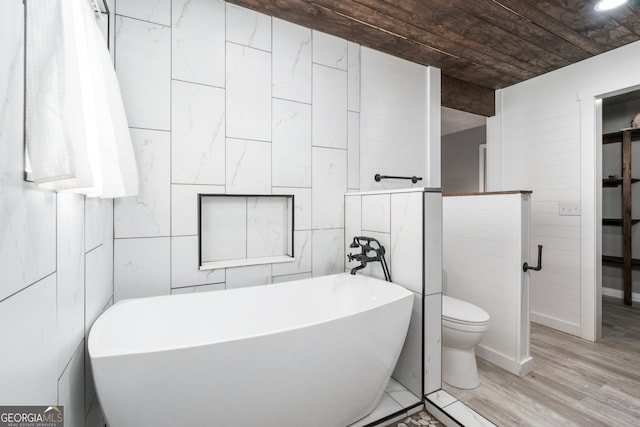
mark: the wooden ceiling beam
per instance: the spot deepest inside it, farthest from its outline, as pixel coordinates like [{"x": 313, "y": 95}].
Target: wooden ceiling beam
[{"x": 465, "y": 96}]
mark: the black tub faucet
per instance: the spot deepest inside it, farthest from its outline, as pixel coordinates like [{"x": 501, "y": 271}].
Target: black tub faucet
[{"x": 368, "y": 253}]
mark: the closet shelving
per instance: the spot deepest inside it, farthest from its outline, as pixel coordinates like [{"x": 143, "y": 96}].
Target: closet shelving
[{"x": 625, "y": 137}]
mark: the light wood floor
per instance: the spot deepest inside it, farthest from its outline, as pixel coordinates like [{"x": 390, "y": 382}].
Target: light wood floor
[{"x": 574, "y": 382}]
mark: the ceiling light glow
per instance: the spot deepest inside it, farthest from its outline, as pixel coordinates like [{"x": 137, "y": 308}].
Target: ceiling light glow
[{"x": 604, "y": 5}]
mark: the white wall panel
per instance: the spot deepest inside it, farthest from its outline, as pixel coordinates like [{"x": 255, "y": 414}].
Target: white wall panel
[
  {"x": 292, "y": 51},
  {"x": 291, "y": 147},
  {"x": 329, "y": 116},
  {"x": 393, "y": 110},
  {"x": 158, "y": 11},
  {"x": 148, "y": 213},
  {"x": 28, "y": 360},
  {"x": 198, "y": 134},
  {"x": 248, "y": 91},
  {"x": 483, "y": 241},
  {"x": 248, "y": 27},
  {"x": 329, "y": 50},
  {"x": 198, "y": 41},
  {"x": 70, "y": 298},
  {"x": 329, "y": 181},
  {"x": 548, "y": 145},
  {"x": 142, "y": 267},
  {"x": 143, "y": 65}
]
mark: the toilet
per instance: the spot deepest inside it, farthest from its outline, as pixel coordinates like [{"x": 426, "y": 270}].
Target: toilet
[{"x": 463, "y": 326}]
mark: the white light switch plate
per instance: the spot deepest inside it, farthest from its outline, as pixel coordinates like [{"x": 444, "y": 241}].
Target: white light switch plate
[{"x": 569, "y": 209}]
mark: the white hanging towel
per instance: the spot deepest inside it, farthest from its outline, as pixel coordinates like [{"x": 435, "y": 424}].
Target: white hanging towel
[
  {"x": 48, "y": 139},
  {"x": 93, "y": 129}
]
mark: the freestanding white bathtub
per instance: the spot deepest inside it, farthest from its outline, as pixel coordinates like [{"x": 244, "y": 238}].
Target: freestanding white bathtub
[{"x": 315, "y": 352}]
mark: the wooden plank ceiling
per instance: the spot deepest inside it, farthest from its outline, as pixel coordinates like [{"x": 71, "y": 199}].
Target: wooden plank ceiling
[{"x": 480, "y": 45}]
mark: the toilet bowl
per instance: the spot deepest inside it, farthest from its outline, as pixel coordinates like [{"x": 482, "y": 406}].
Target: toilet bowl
[{"x": 463, "y": 326}]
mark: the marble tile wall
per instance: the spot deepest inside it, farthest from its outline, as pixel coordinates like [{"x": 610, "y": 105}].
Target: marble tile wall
[
  {"x": 56, "y": 259},
  {"x": 224, "y": 100},
  {"x": 409, "y": 226}
]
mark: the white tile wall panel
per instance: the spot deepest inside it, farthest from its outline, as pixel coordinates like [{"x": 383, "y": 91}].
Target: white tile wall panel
[
  {"x": 158, "y": 11},
  {"x": 98, "y": 287},
  {"x": 142, "y": 267},
  {"x": 409, "y": 366},
  {"x": 353, "y": 226},
  {"x": 184, "y": 207},
  {"x": 200, "y": 288},
  {"x": 291, "y": 277},
  {"x": 71, "y": 389},
  {"x": 95, "y": 220},
  {"x": 407, "y": 233},
  {"x": 291, "y": 147},
  {"x": 248, "y": 27},
  {"x": 143, "y": 66},
  {"x": 376, "y": 213},
  {"x": 433, "y": 253},
  {"x": 353, "y": 71},
  {"x": 302, "y": 205},
  {"x": 198, "y": 134},
  {"x": 353, "y": 147},
  {"x": 28, "y": 323},
  {"x": 185, "y": 270},
  {"x": 255, "y": 275},
  {"x": 329, "y": 117},
  {"x": 302, "y": 264},
  {"x": 198, "y": 41},
  {"x": 292, "y": 51},
  {"x": 432, "y": 343},
  {"x": 148, "y": 213},
  {"x": 70, "y": 274},
  {"x": 248, "y": 167},
  {"x": 328, "y": 252},
  {"x": 329, "y": 181},
  {"x": 248, "y": 93},
  {"x": 330, "y": 50}
]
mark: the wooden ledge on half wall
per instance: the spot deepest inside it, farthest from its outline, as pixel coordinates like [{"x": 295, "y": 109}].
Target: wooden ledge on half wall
[{"x": 487, "y": 193}]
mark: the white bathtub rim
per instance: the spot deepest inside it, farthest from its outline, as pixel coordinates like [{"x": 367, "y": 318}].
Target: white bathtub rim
[{"x": 97, "y": 351}]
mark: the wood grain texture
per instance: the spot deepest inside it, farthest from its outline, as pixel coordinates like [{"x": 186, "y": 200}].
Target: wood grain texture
[
  {"x": 465, "y": 96},
  {"x": 626, "y": 217},
  {"x": 574, "y": 382}
]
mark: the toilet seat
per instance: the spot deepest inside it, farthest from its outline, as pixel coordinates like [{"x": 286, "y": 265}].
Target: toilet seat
[
  {"x": 463, "y": 316},
  {"x": 465, "y": 326}
]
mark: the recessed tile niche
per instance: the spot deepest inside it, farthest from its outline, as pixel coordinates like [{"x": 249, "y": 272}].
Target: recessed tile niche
[{"x": 239, "y": 230}]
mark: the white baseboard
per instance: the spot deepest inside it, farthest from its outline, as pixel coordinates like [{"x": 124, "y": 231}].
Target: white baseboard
[
  {"x": 520, "y": 368},
  {"x": 555, "y": 323},
  {"x": 618, "y": 293}
]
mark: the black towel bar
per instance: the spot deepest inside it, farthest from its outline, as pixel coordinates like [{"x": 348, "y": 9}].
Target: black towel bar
[{"x": 413, "y": 179}]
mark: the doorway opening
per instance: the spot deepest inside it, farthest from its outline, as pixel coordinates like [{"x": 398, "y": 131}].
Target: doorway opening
[
  {"x": 462, "y": 161},
  {"x": 620, "y": 204}
]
